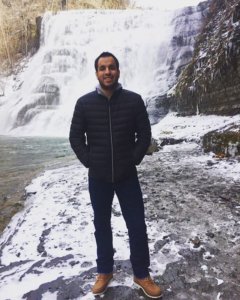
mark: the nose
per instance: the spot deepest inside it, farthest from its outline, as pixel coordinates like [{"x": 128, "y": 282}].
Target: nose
[{"x": 107, "y": 70}]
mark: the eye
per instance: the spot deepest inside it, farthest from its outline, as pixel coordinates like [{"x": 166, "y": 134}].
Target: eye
[
  {"x": 112, "y": 67},
  {"x": 102, "y": 68}
]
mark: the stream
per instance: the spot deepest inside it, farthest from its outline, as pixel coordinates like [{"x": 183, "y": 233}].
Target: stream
[{"x": 22, "y": 158}]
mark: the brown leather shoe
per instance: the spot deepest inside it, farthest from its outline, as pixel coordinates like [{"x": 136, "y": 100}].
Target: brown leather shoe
[
  {"x": 101, "y": 284},
  {"x": 149, "y": 287}
]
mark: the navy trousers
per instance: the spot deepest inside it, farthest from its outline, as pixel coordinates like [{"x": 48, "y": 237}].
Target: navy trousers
[{"x": 130, "y": 198}]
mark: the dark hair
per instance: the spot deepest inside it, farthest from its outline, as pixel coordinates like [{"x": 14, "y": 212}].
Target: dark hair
[{"x": 106, "y": 54}]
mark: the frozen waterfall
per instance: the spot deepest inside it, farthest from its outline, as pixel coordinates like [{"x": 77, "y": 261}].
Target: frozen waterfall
[{"x": 151, "y": 46}]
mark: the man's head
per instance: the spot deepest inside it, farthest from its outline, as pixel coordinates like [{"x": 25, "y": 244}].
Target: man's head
[
  {"x": 106, "y": 54},
  {"x": 107, "y": 70}
]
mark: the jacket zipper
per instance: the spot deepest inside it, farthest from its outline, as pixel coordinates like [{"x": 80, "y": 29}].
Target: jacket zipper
[{"x": 111, "y": 139}]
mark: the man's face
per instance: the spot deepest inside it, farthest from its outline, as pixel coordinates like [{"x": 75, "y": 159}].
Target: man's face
[{"x": 107, "y": 72}]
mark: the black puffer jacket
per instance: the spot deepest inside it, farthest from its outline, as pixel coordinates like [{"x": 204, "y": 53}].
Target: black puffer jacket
[{"x": 111, "y": 136}]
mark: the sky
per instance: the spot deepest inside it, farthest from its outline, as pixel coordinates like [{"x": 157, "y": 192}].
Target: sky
[{"x": 163, "y": 4}]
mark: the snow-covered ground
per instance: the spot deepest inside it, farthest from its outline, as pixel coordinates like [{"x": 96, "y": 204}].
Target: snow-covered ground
[
  {"x": 53, "y": 237},
  {"x": 192, "y": 129},
  {"x": 57, "y": 222}
]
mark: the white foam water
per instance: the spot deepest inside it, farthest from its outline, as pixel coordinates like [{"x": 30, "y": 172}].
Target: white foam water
[{"x": 63, "y": 68}]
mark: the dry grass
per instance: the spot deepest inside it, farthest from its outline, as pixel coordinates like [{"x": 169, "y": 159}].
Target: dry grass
[{"x": 19, "y": 33}]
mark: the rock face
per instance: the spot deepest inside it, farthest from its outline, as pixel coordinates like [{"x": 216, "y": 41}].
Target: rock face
[
  {"x": 223, "y": 142},
  {"x": 210, "y": 84},
  {"x": 187, "y": 25}
]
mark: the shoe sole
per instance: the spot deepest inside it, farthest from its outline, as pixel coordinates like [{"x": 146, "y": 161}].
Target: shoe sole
[
  {"x": 99, "y": 294},
  {"x": 153, "y": 297}
]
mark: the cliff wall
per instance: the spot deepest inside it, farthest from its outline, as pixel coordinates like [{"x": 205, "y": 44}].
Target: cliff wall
[{"x": 210, "y": 84}]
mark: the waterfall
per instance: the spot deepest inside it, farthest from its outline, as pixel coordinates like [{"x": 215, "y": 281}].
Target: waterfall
[{"x": 151, "y": 46}]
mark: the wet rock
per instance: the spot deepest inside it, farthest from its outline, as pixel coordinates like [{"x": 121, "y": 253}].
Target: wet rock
[
  {"x": 116, "y": 213},
  {"x": 124, "y": 265},
  {"x": 86, "y": 264},
  {"x": 170, "y": 141},
  {"x": 192, "y": 256},
  {"x": 210, "y": 234},
  {"x": 123, "y": 293},
  {"x": 13, "y": 265},
  {"x": 210, "y": 163},
  {"x": 160, "y": 244},
  {"x": 173, "y": 276},
  {"x": 66, "y": 289},
  {"x": 33, "y": 269},
  {"x": 230, "y": 294},
  {"x": 84, "y": 223},
  {"x": 58, "y": 261},
  {"x": 196, "y": 242},
  {"x": 40, "y": 247},
  {"x": 73, "y": 263},
  {"x": 171, "y": 220},
  {"x": 28, "y": 194},
  {"x": 69, "y": 221}
]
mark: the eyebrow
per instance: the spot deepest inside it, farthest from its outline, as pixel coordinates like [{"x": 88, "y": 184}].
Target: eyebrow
[{"x": 105, "y": 66}]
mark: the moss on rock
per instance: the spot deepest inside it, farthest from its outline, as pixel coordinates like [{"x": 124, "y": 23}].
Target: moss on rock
[{"x": 224, "y": 143}]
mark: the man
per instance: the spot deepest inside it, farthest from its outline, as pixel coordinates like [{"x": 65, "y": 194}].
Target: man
[{"x": 110, "y": 134}]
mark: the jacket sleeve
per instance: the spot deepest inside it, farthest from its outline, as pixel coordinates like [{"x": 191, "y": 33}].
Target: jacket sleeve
[
  {"x": 77, "y": 136},
  {"x": 142, "y": 131}
]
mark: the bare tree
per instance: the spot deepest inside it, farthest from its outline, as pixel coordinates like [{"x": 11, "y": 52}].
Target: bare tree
[
  {"x": 7, "y": 3},
  {"x": 19, "y": 29}
]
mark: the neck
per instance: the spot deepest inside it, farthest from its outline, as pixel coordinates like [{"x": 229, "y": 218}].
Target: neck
[{"x": 108, "y": 92}]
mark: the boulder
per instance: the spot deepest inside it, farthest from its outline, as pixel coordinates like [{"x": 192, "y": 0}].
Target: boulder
[{"x": 223, "y": 142}]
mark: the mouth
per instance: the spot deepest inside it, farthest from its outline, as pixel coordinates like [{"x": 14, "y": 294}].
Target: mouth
[{"x": 108, "y": 80}]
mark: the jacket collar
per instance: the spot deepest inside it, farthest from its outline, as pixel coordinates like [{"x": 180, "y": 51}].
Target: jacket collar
[{"x": 100, "y": 91}]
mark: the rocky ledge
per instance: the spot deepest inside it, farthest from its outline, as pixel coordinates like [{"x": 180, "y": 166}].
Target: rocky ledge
[{"x": 224, "y": 142}]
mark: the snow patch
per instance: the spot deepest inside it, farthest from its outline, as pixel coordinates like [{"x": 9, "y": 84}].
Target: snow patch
[{"x": 191, "y": 128}]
